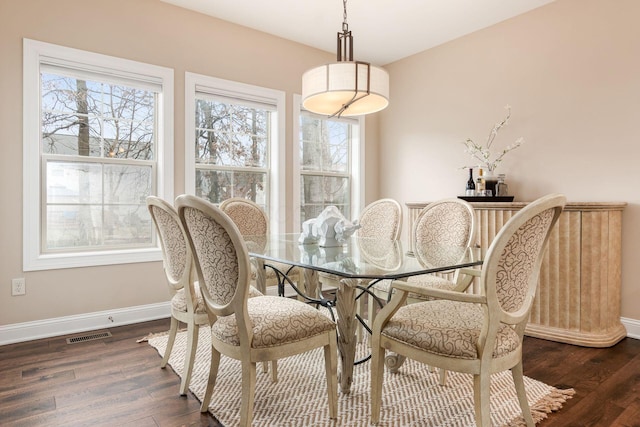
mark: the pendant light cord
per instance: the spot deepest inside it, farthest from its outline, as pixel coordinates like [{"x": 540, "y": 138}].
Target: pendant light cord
[{"x": 345, "y": 26}]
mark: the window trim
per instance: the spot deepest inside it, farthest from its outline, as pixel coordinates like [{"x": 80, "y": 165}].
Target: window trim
[
  {"x": 34, "y": 54},
  {"x": 357, "y": 165},
  {"x": 231, "y": 89}
]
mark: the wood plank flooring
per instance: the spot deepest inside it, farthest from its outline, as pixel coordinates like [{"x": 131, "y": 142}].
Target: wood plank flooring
[{"x": 118, "y": 382}]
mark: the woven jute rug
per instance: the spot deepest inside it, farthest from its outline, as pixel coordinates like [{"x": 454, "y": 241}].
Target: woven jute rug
[{"x": 412, "y": 397}]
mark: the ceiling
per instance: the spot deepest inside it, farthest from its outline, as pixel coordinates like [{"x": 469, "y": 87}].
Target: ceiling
[{"x": 384, "y": 31}]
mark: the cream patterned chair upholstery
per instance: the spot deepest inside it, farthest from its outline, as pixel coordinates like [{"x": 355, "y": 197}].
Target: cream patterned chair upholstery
[
  {"x": 381, "y": 219},
  {"x": 478, "y": 334},
  {"x": 187, "y": 305},
  {"x": 250, "y": 330},
  {"x": 444, "y": 222},
  {"x": 252, "y": 220}
]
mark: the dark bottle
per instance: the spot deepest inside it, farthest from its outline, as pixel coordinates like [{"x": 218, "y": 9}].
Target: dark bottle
[{"x": 471, "y": 185}]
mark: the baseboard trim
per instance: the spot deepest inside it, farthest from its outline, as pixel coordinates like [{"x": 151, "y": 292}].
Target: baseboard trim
[
  {"x": 632, "y": 326},
  {"x": 27, "y": 331}
]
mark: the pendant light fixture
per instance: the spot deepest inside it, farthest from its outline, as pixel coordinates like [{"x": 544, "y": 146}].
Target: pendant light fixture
[{"x": 346, "y": 87}]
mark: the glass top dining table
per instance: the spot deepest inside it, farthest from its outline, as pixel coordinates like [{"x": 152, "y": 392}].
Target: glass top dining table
[{"x": 358, "y": 259}]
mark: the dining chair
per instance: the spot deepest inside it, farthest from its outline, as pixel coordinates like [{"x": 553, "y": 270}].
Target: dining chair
[
  {"x": 478, "y": 334},
  {"x": 187, "y": 305},
  {"x": 381, "y": 219},
  {"x": 250, "y": 330},
  {"x": 448, "y": 222},
  {"x": 443, "y": 222},
  {"x": 252, "y": 220}
]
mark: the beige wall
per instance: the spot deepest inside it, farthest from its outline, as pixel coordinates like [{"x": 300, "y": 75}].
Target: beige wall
[
  {"x": 571, "y": 72},
  {"x": 143, "y": 30}
]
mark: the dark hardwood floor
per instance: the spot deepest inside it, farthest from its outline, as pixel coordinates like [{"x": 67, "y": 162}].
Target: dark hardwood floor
[{"x": 118, "y": 382}]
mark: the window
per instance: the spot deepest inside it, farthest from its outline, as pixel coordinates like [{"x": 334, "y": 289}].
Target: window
[
  {"x": 328, "y": 166},
  {"x": 98, "y": 141},
  {"x": 235, "y": 134}
]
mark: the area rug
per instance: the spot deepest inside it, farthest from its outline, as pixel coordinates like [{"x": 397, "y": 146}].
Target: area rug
[{"x": 412, "y": 397}]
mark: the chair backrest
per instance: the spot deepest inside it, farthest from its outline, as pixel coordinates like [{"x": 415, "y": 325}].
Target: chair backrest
[
  {"x": 220, "y": 255},
  {"x": 512, "y": 263},
  {"x": 445, "y": 222},
  {"x": 248, "y": 216},
  {"x": 175, "y": 249},
  {"x": 381, "y": 219},
  {"x": 382, "y": 253}
]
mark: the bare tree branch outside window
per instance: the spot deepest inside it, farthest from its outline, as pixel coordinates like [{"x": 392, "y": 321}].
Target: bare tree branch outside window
[
  {"x": 325, "y": 147},
  {"x": 98, "y": 147},
  {"x": 231, "y": 151}
]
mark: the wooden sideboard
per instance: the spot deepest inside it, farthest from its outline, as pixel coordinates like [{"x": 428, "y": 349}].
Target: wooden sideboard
[{"x": 578, "y": 296}]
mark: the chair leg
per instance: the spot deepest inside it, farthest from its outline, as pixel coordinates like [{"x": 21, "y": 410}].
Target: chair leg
[
  {"x": 211, "y": 382},
  {"x": 189, "y": 357},
  {"x": 360, "y": 310},
  {"x": 274, "y": 369},
  {"x": 261, "y": 279},
  {"x": 371, "y": 309},
  {"x": 443, "y": 376},
  {"x": 248, "y": 392},
  {"x": 173, "y": 329},
  {"x": 331, "y": 368},
  {"x": 394, "y": 361},
  {"x": 481, "y": 395},
  {"x": 377, "y": 377},
  {"x": 518, "y": 380}
]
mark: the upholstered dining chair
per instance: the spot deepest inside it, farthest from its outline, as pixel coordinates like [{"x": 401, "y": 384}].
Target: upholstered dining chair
[
  {"x": 443, "y": 222},
  {"x": 187, "y": 305},
  {"x": 250, "y": 330},
  {"x": 252, "y": 220},
  {"x": 478, "y": 334},
  {"x": 381, "y": 219}
]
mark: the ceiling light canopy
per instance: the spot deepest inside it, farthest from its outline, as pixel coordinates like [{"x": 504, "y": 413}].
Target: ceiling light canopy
[{"x": 346, "y": 87}]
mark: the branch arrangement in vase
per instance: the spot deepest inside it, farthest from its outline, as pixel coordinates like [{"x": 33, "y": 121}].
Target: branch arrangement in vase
[{"x": 483, "y": 154}]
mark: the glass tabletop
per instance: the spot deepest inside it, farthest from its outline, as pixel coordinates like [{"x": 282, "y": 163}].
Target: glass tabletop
[{"x": 363, "y": 258}]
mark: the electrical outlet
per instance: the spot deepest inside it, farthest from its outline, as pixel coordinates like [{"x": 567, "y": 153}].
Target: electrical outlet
[{"x": 18, "y": 287}]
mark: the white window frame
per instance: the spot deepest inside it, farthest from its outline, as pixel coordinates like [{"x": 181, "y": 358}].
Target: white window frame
[
  {"x": 357, "y": 165},
  {"x": 276, "y": 153},
  {"x": 37, "y": 53}
]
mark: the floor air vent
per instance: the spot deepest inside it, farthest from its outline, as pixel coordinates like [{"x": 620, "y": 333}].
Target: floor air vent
[{"x": 91, "y": 336}]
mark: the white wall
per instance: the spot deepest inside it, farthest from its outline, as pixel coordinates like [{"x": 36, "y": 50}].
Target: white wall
[
  {"x": 571, "y": 72},
  {"x": 148, "y": 31}
]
